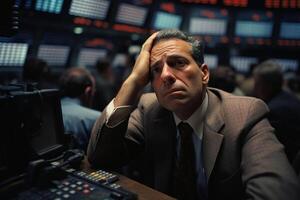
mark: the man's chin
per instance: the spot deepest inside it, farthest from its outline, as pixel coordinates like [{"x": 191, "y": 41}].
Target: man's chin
[{"x": 174, "y": 104}]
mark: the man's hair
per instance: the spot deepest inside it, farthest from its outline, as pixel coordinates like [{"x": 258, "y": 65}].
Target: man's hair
[
  {"x": 197, "y": 45},
  {"x": 74, "y": 81},
  {"x": 270, "y": 74},
  {"x": 35, "y": 69},
  {"x": 102, "y": 65}
]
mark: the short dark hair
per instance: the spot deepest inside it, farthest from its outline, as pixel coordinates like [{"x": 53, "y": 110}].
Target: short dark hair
[
  {"x": 102, "y": 65},
  {"x": 35, "y": 69},
  {"x": 271, "y": 75},
  {"x": 74, "y": 81},
  {"x": 197, "y": 45}
]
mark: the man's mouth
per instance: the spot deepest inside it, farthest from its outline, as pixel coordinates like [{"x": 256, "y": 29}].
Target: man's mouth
[{"x": 173, "y": 91}]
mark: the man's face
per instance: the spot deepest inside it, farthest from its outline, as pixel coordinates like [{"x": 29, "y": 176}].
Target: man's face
[{"x": 177, "y": 79}]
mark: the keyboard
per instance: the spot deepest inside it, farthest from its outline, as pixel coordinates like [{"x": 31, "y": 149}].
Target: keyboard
[{"x": 80, "y": 185}]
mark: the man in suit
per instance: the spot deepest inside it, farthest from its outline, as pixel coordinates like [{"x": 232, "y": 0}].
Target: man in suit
[
  {"x": 284, "y": 106},
  {"x": 235, "y": 153}
]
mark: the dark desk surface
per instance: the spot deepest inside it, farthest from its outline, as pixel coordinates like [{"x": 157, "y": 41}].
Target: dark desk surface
[{"x": 141, "y": 190}]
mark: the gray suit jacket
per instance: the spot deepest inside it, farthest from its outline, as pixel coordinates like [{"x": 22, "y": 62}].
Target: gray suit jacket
[{"x": 242, "y": 157}]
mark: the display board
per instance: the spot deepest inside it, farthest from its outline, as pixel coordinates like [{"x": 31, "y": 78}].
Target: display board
[
  {"x": 208, "y": 21},
  {"x": 13, "y": 54},
  {"x": 290, "y": 26},
  {"x": 54, "y": 55},
  {"x": 254, "y": 24},
  {"x": 93, "y": 9},
  {"x": 168, "y": 15}
]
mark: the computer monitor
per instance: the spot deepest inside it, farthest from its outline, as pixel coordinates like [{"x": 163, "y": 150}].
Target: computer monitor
[
  {"x": 242, "y": 63},
  {"x": 257, "y": 24},
  {"x": 129, "y": 13},
  {"x": 54, "y": 55},
  {"x": 31, "y": 129},
  {"x": 93, "y": 9},
  {"x": 164, "y": 20},
  {"x": 89, "y": 56},
  {"x": 208, "y": 21},
  {"x": 13, "y": 54},
  {"x": 290, "y": 26}
]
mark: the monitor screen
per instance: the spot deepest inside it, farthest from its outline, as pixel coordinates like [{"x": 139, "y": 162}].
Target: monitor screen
[
  {"x": 89, "y": 56},
  {"x": 54, "y": 55},
  {"x": 50, "y": 6},
  {"x": 168, "y": 15},
  {"x": 242, "y": 64},
  {"x": 164, "y": 20},
  {"x": 257, "y": 24},
  {"x": 287, "y": 64},
  {"x": 13, "y": 54},
  {"x": 93, "y": 9},
  {"x": 119, "y": 60},
  {"x": 131, "y": 14},
  {"x": 33, "y": 130},
  {"x": 211, "y": 60},
  {"x": 290, "y": 30},
  {"x": 253, "y": 29},
  {"x": 208, "y": 21},
  {"x": 290, "y": 26},
  {"x": 207, "y": 26}
]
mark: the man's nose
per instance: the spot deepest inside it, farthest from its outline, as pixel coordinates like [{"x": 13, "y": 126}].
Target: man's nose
[{"x": 167, "y": 75}]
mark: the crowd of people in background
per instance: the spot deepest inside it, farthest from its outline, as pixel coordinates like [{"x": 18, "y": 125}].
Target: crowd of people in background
[
  {"x": 279, "y": 90},
  {"x": 86, "y": 93}
]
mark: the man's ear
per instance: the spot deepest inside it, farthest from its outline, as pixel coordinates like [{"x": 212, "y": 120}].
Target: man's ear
[
  {"x": 87, "y": 97},
  {"x": 88, "y": 91},
  {"x": 205, "y": 73}
]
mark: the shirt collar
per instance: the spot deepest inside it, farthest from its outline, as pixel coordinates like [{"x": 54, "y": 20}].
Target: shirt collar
[
  {"x": 196, "y": 119},
  {"x": 71, "y": 100}
]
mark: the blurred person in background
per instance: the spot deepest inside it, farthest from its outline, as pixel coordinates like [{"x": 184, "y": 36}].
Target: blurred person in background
[
  {"x": 78, "y": 87},
  {"x": 224, "y": 77},
  {"x": 105, "y": 84},
  {"x": 247, "y": 84},
  {"x": 284, "y": 106},
  {"x": 36, "y": 71},
  {"x": 292, "y": 83}
]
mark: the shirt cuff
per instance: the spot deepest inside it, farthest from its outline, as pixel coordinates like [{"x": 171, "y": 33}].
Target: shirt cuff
[{"x": 116, "y": 115}]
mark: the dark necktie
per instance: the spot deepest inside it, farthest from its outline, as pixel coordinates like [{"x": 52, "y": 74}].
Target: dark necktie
[{"x": 185, "y": 172}]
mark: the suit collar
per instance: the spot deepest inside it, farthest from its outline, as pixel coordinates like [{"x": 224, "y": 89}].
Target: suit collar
[
  {"x": 212, "y": 139},
  {"x": 214, "y": 115}
]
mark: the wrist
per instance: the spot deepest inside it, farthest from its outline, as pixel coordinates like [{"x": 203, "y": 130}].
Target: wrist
[
  {"x": 129, "y": 92},
  {"x": 136, "y": 81}
]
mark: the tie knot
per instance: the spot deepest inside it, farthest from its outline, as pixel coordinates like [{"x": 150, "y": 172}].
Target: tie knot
[{"x": 185, "y": 129}]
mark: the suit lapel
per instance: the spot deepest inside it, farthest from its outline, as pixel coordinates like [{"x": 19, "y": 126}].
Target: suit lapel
[
  {"x": 164, "y": 143},
  {"x": 212, "y": 139}
]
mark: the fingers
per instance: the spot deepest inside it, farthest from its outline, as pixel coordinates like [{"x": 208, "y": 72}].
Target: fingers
[{"x": 148, "y": 43}]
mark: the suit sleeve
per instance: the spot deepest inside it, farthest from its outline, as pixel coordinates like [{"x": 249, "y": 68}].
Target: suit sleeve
[
  {"x": 116, "y": 137},
  {"x": 267, "y": 173}
]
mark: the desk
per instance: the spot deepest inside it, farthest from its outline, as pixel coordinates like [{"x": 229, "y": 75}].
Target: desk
[{"x": 143, "y": 192}]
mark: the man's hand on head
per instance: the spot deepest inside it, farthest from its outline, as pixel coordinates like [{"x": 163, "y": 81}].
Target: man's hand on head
[
  {"x": 140, "y": 76},
  {"x": 141, "y": 70}
]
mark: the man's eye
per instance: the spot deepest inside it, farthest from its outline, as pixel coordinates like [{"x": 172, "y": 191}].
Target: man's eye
[
  {"x": 155, "y": 70},
  {"x": 178, "y": 63}
]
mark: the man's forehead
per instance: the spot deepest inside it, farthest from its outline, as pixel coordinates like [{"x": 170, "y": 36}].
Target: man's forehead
[
  {"x": 169, "y": 46},
  {"x": 171, "y": 40}
]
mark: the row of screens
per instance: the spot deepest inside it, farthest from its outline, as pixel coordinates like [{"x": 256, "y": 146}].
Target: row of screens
[
  {"x": 201, "y": 20},
  {"x": 14, "y": 54}
]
